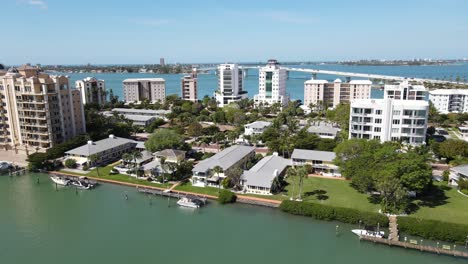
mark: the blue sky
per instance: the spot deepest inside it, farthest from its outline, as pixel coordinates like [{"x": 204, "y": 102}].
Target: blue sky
[{"x": 142, "y": 31}]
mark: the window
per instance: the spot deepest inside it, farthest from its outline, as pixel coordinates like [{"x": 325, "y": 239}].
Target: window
[
  {"x": 396, "y": 112},
  {"x": 378, "y": 121},
  {"x": 396, "y": 121},
  {"x": 395, "y": 130},
  {"x": 367, "y": 119},
  {"x": 378, "y": 112},
  {"x": 377, "y": 129},
  {"x": 367, "y": 111}
]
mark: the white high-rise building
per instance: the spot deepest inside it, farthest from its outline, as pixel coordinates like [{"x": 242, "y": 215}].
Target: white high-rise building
[
  {"x": 449, "y": 100},
  {"x": 271, "y": 85},
  {"x": 92, "y": 90},
  {"x": 230, "y": 84},
  {"x": 322, "y": 93},
  {"x": 389, "y": 120},
  {"x": 405, "y": 91},
  {"x": 189, "y": 87}
]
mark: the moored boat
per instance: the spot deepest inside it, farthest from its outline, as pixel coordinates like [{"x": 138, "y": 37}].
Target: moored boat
[
  {"x": 80, "y": 184},
  {"x": 189, "y": 202},
  {"x": 363, "y": 232},
  {"x": 59, "y": 180}
]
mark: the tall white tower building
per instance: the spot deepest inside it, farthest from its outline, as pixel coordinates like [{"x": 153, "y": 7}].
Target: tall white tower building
[
  {"x": 230, "y": 84},
  {"x": 92, "y": 90},
  {"x": 271, "y": 85}
]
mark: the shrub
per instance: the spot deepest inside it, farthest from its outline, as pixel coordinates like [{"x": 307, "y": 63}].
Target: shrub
[
  {"x": 85, "y": 167},
  {"x": 332, "y": 213},
  {"x": 464, "y": 191},
  {"x": 433, "y": 230},
  {"x": 70, "y": 163},
  {"x": 463, "y": 184},
  {"x": 445, "y": 175},
  {"x": 226, "y": 196}
]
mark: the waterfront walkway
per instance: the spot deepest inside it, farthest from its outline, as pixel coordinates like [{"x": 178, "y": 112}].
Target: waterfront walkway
[{"x": 393, "y": 228}]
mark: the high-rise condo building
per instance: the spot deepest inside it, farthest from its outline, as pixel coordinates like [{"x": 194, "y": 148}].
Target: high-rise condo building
[
  {"x": 38, "y": 111},
  {"x": 230, "y": 84},
  {"x": 189, "y": 87},
  {"x": 389, "y": 120},
  {"x": 449, "y": 100},
  {"x": 92, "y": 90},
  {"x": 405, "y": 91},
  {"x": 321, "y": 93},
  {"x": 271, "y": 85},
  {"x": 161, "y": 62},
  {"x": 137, "y": 90}
]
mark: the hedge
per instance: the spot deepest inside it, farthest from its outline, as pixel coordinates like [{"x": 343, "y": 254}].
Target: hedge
[
  {"x": 433, "y": 230},
  {"x": 226, "y": 197},
  {"x": 332, "y": 213}
]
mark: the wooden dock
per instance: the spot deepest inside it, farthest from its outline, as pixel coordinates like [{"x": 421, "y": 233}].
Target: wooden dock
[
  {"x": 18, "y": 172},
  {"x": 171, "y": 194},
  {"x": 435, "y": 250}
]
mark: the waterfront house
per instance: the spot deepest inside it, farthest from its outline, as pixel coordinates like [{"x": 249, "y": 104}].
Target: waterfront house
[
  {"x": 321, "y": 161},
  {"x": 259, "y": 178},
  {"x": 463, "y": 133},
  {"x": 227, "y": 159},
  {"x": 256, "y": 128},
  {"x": 171, "y": 155},
  {"x": 457, "y": 173},
  {"x": 107, "y": 150}
]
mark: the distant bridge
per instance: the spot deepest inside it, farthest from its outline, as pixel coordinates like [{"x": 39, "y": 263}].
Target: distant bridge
[{"x": 348, "y": 75}]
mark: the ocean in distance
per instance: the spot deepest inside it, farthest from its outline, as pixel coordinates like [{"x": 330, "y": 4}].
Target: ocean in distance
[{"x": 207, "y": 83}]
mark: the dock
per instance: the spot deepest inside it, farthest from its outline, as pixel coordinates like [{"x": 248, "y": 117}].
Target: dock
[
  {"x": 18, "y": 172},
  {"x": 169, "y": 193},
  {"x": 444, "y": 250}
]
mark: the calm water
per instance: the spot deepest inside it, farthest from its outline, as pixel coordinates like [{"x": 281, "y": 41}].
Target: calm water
[
  {"x": 40, "y": 225},
  {"x": 295, "y": 85}
]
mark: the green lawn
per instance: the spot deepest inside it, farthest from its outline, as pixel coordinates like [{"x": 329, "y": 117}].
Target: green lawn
[
  {"x": 104, "y": 173},
  {"x": 447, "y": 206},
  {"x": 187, "y": 187}
]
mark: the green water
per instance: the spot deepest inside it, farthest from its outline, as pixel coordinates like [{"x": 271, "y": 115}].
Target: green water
[{"x": 41, "y": 225}]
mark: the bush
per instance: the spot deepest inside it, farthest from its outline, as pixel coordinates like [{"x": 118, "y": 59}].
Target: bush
[
  {"x": 85, "y": 167},
  {"x": 463, "y": 184},
  {"x": 332, "y": 213},
  {"x": 445, "y": 175},
  {"x": 226, "y": 196},
  {"x": 70, "y": 163},
  {"x": 433, "y": 230},
  {"x": 464, "y": 191}
]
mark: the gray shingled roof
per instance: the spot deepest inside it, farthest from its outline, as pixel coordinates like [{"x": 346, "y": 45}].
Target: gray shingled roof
[
  {"x": 141, "y": 111},
  {"x": 99, "y": 146},
  {"x": 225, "y": 159},
  {"x": 462, "y": 169},
  {"x": 174, "y": 153},
  {"x": 259, "y": 124},
  {"x": 263, "y": 173},
  {"x": 306, "y": 154},
  {"x": 322, "y": 128}
]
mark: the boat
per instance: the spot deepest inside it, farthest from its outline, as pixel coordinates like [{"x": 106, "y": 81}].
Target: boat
[
  {"x": 363, "y": 232},
  {"x": 59, "y": 180},
  {"x": 83, "y": 185},
  {"x": 189, "y": 202}
]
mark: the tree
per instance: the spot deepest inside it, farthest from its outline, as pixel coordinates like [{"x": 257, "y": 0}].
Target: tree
[
  {"x": 154, "y": 125},
  {"x": 70, "y": 163},
  {"x": 92, "y": 160},
  {"x": 162, "y": 162},
  {"x": 394, "y": 195},
  {"x": 195, "y": 129},
  {"x": 217, "y": 170},
  {"x": 135, "y": 156},
  {"x": 163, "y": 139},
  {"x": 277, "y": 184},
  {"x": 234, "y": 175},
  {"x": 126, "y": 157},
  {"x": 453, "y": 148}
]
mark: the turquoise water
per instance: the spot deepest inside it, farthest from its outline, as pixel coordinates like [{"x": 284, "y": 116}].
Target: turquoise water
[
  {"x": 41, "y": 225},
  {"x": 207, "y": 83}
]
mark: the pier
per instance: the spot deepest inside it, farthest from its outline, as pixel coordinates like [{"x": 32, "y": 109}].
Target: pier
[
  {"x": 171, "y": 194},
  {"x": 18, "y": 172},
  {"x": 444, "y": 250}
]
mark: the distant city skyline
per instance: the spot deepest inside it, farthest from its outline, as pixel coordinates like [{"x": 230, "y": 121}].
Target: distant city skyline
[{"x": 143, "y": 31}]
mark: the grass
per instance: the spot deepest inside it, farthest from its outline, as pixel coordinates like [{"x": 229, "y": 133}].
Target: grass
[
  {"x": 187, "y": 187},
  {"x": 446, "y": 204},
  {"x": 104, "y": 173}
]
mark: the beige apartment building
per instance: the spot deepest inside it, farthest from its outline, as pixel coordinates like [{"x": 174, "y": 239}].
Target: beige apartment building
[
  {"x": 92, "y": 90},
  {"x": 321, "y": 92},
  {"x": 189, "y": 87},
  {"x": 139, "y": 89},
  {"x": 38, "y": 110}
]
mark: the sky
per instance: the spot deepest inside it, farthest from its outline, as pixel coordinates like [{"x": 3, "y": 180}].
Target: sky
[{"x": 142, "y": 31}]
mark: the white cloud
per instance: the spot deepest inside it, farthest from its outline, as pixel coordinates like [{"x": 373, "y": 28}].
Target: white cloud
[
  {"x": 151, "y": 22},
  {"x": 37, "y": 3}
]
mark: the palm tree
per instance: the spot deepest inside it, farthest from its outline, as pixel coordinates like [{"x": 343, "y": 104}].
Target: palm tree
[
  {"x": 136, "y": 155},
  {"x": 162, "y": 161},
  {"x": 92, "y": 160},
  {"x": 126, "y": 157},
  {"x": 302, "y": 172},
  {"x": 218, "y": 170},
  {"x": 291, "y": 173}
]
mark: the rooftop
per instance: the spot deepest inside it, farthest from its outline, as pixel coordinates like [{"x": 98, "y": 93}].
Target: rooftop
[
  {"x": 323, "y": 127},
  {"x": 173, "y": 153},
  {"x": 449, "y": 92},
  {"x": 225, "y": 159},
  {"x": 99, "y": 146},
  {"x": 306, "y": 154},
  {"x": 258, "y": 124},
  {"x": 316, "y": 81},
  {"x": 141, "y": 111},
  {"x": 462, "y": 169},
  {"x": 360, "y": 82},
  {"x": 263, "y": 173}
]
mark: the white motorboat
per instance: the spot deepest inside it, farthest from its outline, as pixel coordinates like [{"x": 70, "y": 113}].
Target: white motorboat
[
  {"x": 188, "y": 202},
  {"x": 363, "y": 232},
  {"x": 59, "y": 180},
  {"x": 82, "y": 185}
]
